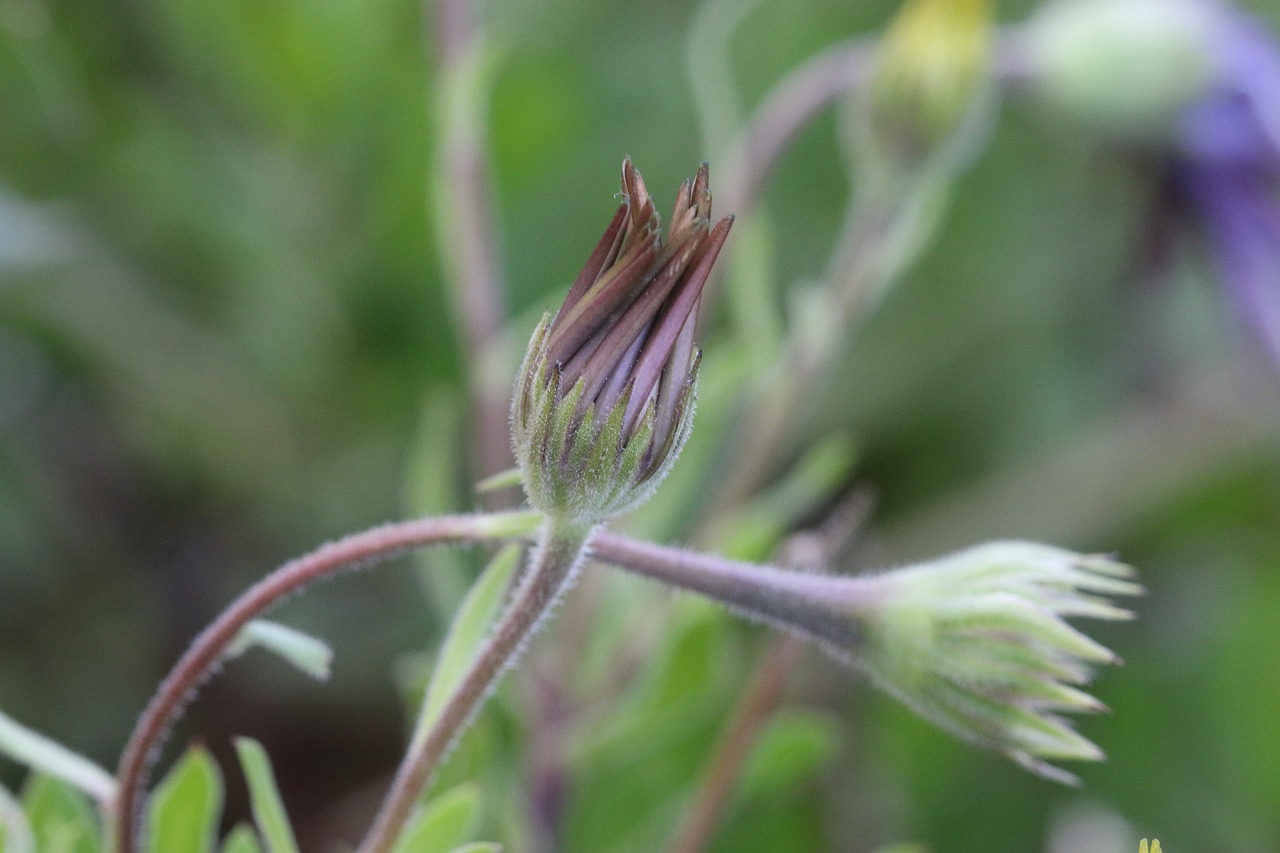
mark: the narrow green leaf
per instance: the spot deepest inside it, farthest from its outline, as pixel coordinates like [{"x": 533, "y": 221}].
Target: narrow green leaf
[
  {"x": 61, "y": 817},
  {"x": 242, "y": 840},
  {"x": 470, "y": 625},
  {"x": 433, "y": 486},
  {"x": 264, "y": 796},
  {"x": 46, "y": 756},
  {"x": 187, "y": 805},
  {"x": 15, "y": 832},
  {"x": 444, "y": 824},
  {"x": 308, "y": 654},
  {"x": 507, "y": 479}
]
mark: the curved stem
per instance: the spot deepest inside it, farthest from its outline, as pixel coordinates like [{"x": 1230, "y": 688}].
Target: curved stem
[
  {"x": 197, "y": 663},
  {"x": 552, "y": 570},
  {"x": 790, "y": 106}
]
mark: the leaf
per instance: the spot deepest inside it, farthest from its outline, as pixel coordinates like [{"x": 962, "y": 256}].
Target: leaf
[
  {"x": 308, "y": 654},
  {"x": 507, "y": 479},
  {"x": 242, "y": 839},
  {"x": 793, "y": 746},
  {"x": 61, "y": 818},
  {"x": 466, "y": 633},
  {"x": 264, "y": 796},
  {"x": 49, "y": 757},
  {"x": 444, "y": 823},
  {"x": 15, "y": 832},
  {"x": 432, "y": 486},
  {"x": 187, "y": 806}
]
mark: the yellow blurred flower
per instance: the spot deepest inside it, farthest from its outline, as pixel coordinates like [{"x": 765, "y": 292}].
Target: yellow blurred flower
[{"x": 932, "y": 61}]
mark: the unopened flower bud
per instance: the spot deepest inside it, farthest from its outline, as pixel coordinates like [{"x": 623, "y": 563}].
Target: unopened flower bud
[
  {"x": 604, "y": 400},
  {"x": 978, "y": 644},
  {"x": 1128, "y": 66},
  {"x": 929, "y": 73}
]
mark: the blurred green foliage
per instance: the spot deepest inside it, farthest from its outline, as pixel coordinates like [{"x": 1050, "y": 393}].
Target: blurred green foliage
[{"x": 224, "y": 338}]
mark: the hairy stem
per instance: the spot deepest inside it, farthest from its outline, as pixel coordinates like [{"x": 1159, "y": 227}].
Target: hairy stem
[
  {"x": 823, "y": 608},
  {"x": 198, "y": 662},
  {"x": 552, "y": 570}
]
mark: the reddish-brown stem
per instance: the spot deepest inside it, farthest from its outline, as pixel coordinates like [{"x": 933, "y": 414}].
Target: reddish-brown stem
[
  {"x": 469, "y": 246},
  {"x": 551, "y": 572},
  {"x": 759, "y": 699},
  {"x": 197, "y": 663}
]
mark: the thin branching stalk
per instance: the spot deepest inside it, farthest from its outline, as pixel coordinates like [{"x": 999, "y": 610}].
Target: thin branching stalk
[
  {"x": 821, "y": 609},
  {"x": 758, "y": 701},
  {"x": 465, "y": 230},
  {"x": 789, "y": 107},
  {"x": 552, "y": 570},
  {"x": 207, "y": 650}
]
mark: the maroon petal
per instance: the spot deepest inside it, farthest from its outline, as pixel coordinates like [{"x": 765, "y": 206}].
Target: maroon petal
[
  {"x": 612, "y": 292},
  {"x": 668, "y": 325},
  {"x": 602, "y": 257}
]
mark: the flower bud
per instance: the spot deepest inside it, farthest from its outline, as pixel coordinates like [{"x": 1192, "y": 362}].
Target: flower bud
[
  {"x": 604, "y": 400},
  {"x": 977, "y": 644},
  {"x": 927, "y": 78},
  {"x": 1130, "y": 66}
]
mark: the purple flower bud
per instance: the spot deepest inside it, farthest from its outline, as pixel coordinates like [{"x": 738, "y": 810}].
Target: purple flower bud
[{"x": 605, "y": 396}]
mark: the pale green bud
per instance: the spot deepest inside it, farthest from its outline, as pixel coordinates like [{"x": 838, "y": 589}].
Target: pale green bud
[
  {"x": 1130, "y": 66},
  {"x": 978, "y": 644}
]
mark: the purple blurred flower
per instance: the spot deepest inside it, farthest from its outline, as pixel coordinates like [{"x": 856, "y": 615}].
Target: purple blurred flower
[{"x": 1225, "y": 174}]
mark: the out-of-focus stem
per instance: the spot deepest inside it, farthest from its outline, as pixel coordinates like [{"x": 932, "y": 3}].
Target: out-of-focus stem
[
  {"x": 788, "y": 108},
  {"x": 197, "y": 663},
  {"x": 466, "y": 237},
  {"x": 808, "y": 353},
  {"x": 551, "y": 572},
  {"x": 765, "y": 689},
  {"x": 759, "y": 699}
]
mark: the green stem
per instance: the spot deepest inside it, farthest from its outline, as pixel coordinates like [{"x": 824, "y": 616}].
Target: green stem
[
  {"x": 195, "y": 666},
  {"x": 552, "y": 570}
]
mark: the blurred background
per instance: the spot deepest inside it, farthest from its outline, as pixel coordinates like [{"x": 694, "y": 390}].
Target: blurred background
[{"x": 225, "y": 338}]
